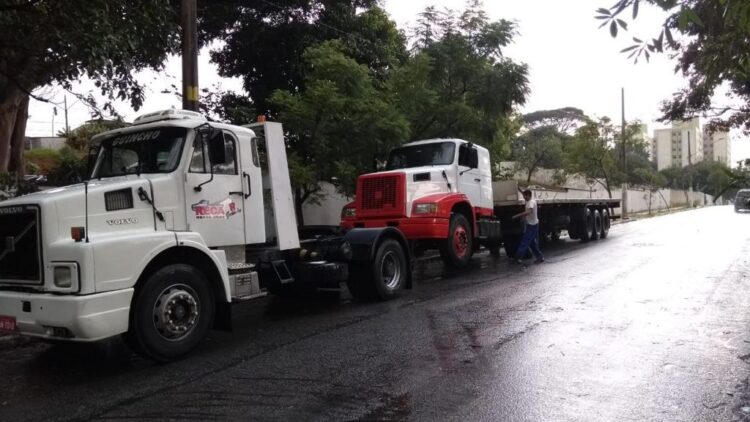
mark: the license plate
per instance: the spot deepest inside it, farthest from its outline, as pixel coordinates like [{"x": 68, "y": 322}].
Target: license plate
[{"x": 7, "y": 323}]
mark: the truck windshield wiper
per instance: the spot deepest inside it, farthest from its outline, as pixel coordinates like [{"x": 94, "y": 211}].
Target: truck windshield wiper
[{"x": 448, "y": 182}]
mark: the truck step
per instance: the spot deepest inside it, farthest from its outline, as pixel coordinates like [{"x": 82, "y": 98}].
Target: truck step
[
  {"x": 282, "y": 271},
  {"x": 244, "y": 298},
  {"x": 239, "y": 267}
]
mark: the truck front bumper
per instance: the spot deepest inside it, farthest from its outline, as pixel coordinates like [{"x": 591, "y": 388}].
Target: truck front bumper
[
  {"x": 75, "y": 318},
  {"x": 412, "y": 228}
]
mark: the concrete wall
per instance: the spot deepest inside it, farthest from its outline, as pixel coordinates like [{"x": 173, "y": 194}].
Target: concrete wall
[{"x": 328, "y": 212}]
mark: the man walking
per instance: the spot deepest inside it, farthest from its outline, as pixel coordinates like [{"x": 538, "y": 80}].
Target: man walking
[{"x": 531, "y": 235}]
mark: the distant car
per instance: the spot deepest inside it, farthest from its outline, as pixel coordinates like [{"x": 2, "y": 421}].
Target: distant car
[{"x": 742, "y": 200}]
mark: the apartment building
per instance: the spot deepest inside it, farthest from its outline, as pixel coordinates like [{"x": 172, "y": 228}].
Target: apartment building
[
  {"x": 680, "y": 145},
  {"x": 717, "y": 147}
]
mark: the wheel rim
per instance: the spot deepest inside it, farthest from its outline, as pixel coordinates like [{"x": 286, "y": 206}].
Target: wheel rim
[
  {"x": 390, "y": 270},
  {"x": 176, "y": 312},
  {"x": 460, "y": 241}
]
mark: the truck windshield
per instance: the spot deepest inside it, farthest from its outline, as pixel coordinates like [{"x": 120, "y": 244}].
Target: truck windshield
[
  {"x": 743, "y": 194},
  {"x": 438, "y": 153},
  {"x": 149, "y": 151}
]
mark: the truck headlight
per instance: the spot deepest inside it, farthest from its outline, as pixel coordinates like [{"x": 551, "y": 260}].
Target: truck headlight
[
  {"x": 425, "y": 208},
  {"x": 63, "y": 277},
  {"x": 349, "y": 212}
]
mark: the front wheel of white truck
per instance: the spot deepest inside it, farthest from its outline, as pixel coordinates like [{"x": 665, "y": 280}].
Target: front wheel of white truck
[{"x": 171, "y": 313}]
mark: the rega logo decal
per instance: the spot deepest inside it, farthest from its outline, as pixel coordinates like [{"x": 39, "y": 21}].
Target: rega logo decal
[{"x": 221, "y": 209}]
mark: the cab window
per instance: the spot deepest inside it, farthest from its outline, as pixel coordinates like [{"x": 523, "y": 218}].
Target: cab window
[{"x": 199, "y": 163}]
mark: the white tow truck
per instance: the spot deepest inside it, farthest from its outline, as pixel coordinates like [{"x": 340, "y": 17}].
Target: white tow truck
[{"x": 180, "y": 218}]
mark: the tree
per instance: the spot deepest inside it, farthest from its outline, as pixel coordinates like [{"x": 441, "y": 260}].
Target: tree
[
  {"x": 711, "y": 42},
  {"x": 79, "y": 138},
  {"x": 263, "y": 42},
  {"x": 53, "y": 41},
  {"x": 652, "y": 180},
  {"x": 338, "y": 126},
  {"x": 470, "y": 89},
  {"x": 565, "y": 120},
  {"x": 538, "y": 147},
  {"x": 591, "y": 153}
]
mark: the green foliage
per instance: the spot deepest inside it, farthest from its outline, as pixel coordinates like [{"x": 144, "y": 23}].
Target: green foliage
[
  {"x": 43, "y": 160},
  {"x": 80, "y": 137},
  {"x": 565, "y": 120},
  {"x": 70, "y": 169},
  {"x": 538, "y": 147},
  {"x": 711, "y": 41},
  {"x": 263, "y": 42},
  {"x": 339, "y": 125},
  {"x": 712, "y": 177},
  {"x": 471, "y": 89},
  {"x": 591, "y": 153},
  {"x": 11, "y": 186},
  {"x": 61, "y": 41}
]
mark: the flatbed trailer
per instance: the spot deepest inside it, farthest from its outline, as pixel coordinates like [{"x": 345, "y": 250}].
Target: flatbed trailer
[{"x": 582, "y": 218}]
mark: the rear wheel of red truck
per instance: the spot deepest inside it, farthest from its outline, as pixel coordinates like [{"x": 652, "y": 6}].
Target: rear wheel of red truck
[
  {"x": 171, "y": 313},
  {"x": 458, "y": 248},
  {"x": 384, "y": 277}
]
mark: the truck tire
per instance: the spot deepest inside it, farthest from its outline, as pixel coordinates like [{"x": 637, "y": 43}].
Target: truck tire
[
  {"x": 586, "y": 225},
  {"x": 457, "y": 249},
  {"x": 606, "y": 222},
  {"x": 597, "y": 225},
  {"x": 384, "y": 277},
  {"x": 171, "y": 313}
]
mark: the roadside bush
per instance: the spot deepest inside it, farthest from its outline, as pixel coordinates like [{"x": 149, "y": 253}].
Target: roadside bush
[
  {"x": 11, "y": 186},
  {"x": 44, "y": 161},
  {"x": 71, "y": 168}
]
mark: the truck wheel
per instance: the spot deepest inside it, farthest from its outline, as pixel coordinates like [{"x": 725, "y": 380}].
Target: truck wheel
[
  {"x": 457, "y": 249},
  {"x": 605, "y": 224},
  {"x": 586, "y": 225},
  {"x": 171, "y": 313},
  {"x": 384, "y": 277},
  {"x": 597, "y": 225}
]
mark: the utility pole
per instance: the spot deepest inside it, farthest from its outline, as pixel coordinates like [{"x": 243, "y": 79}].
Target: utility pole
[
  {"x": 624, "y": 198},
  {"x": 690, "y": 170},
  {"x": 67, "y": 128},
  {"x": 190, "y": 93}
]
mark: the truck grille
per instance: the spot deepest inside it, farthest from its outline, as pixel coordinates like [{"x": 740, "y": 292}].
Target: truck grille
[
  {"x": 381, "y": 195},
  {"x": 20, "y": 246}
]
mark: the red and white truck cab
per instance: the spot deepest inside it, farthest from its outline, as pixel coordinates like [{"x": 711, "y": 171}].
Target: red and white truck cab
[{"x": 437, "y": 192}]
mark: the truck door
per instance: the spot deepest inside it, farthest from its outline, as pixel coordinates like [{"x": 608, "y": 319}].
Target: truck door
[
  {"x": 252, "y": 179},
  {"x": 214, "y": 206},
  {"x": 469, "y": 179}
]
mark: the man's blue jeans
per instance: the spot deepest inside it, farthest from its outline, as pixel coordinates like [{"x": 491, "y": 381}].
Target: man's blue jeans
[{"x": 530, "y": 239}]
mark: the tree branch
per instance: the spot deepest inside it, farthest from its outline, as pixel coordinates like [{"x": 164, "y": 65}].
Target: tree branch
[{"x": 20, "y": 6}]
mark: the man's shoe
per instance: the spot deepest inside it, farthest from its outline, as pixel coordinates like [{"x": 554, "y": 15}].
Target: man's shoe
[
  {"x": 518, "y": 261},
  {"x": 539, "y": 261}
]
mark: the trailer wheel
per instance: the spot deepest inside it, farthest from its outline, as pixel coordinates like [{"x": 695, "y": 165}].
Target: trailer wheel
[
  {"x": 457, "y": 249},
  {"x": 384, "y": 277},
  {"x": 586, "y": 225},
  {"x": 606, "y": 222},
  {"x": 597, "y": 225},
  {"x": 171, "y": 313}
]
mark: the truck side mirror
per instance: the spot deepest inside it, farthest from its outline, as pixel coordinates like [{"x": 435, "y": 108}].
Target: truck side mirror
[{"x": 217, "y": 152}]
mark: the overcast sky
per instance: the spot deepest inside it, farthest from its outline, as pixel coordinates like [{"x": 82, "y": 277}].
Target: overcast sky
[{"x": 571, "y": 62}]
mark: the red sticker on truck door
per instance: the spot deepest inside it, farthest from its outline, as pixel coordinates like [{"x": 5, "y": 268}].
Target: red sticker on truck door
[{"x": 221, "y": 209}]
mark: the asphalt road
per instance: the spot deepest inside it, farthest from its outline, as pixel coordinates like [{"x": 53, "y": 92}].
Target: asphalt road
[{"x": 652, "y": 323}]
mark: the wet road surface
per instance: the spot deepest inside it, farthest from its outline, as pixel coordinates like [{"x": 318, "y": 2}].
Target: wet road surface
[{"x": 652, "y": 323}]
